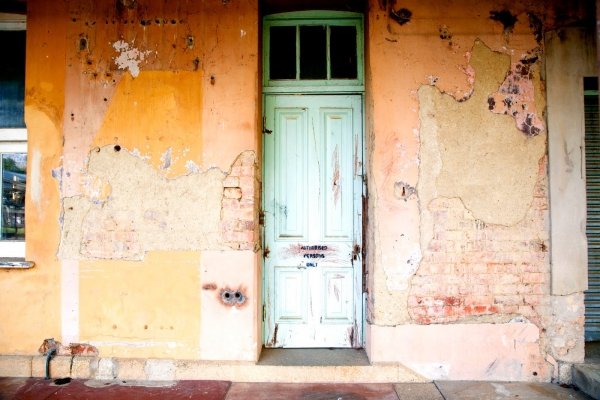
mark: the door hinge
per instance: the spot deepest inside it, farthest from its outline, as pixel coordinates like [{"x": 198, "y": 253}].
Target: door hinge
[
  {"x": 264, "y": 129},
  {"x": 264, "y": 311},
  {"x": 261, "y": 217}
]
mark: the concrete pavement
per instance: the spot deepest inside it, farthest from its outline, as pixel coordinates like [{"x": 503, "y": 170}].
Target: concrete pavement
[{"x": 37, "y": 389}]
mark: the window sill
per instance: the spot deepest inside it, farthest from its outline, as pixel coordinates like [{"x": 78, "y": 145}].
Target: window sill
[{"x": 15, "y": 263}]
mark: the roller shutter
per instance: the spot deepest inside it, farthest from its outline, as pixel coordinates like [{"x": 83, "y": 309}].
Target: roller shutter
[{"x": 592, "y": 168}]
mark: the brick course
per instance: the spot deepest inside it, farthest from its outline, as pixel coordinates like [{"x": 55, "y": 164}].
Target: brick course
[
  {"x": 239, "y": 207},
  {"x": 472, "y": 270}
]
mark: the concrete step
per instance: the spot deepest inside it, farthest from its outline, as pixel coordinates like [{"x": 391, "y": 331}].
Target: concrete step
[
  {"x": 128, "y": 369},
  {"x": 587, "y": 378}
]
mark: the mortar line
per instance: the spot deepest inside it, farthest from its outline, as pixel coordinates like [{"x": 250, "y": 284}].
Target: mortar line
[{"x": 439, "y": 390}]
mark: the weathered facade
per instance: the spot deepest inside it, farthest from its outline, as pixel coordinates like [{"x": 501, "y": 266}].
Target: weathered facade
[{"x": 146, "y": 172}]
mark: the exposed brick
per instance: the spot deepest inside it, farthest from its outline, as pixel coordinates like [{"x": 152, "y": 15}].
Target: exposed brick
[
  {"x": 232, "y": 193},
  {"x": 231, "y": 181},
  {"x": 471, "y": 269}
]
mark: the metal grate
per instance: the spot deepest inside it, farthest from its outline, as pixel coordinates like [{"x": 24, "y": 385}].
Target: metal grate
[{"x": 592, "y": 168}]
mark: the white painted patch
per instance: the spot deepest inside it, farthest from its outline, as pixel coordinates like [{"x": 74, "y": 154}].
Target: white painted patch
[
  {"x": 69, "y": 301},
  {"x": 398, "y": 275},
  {"x": 35, "y": 178},
  {"x": 192, "y": 167},
  {"x": 501, "y": 389},
  {"x": 129, "y": 57}
]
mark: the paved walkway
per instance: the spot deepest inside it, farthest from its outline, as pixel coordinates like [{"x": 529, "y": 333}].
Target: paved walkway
[{"x": 35, "y": 389}]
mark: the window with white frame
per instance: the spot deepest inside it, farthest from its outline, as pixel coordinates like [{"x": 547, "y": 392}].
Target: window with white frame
[{"x": 13, "y": 135}]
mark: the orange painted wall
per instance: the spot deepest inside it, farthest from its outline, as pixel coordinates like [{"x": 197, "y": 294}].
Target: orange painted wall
[
  {"x": 31, "y": 299},
  {"x": 171, "y": 83}
]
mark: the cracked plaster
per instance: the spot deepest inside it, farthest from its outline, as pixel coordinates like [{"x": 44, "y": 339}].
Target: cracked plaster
[{"x": 141, "y": 210}]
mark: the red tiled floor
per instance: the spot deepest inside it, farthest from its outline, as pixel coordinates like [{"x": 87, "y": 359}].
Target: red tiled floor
[
  {"x": 320, "y": 391},
  {"x": 37, "y": 389}
]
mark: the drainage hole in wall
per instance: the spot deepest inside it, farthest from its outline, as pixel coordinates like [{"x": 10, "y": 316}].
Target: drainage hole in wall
[{"x": 62, "y": 381}]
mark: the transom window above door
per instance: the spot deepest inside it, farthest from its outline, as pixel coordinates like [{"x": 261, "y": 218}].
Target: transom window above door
[{"x": 313, "y": 50}]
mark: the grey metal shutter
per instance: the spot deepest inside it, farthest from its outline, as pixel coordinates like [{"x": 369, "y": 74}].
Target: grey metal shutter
[{"x": 592, "y": 168}]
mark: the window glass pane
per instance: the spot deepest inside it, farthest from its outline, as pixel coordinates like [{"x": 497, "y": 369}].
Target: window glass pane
[
  {"x": 342, "y": 43},
  {"x": 12, "y": 208},
  {"x": 12, "y": 78},
  {"x": 282, "y": 52},
  {"x": 313, "y": 52}
]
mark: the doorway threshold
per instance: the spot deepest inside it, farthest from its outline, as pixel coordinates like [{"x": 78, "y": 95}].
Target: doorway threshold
[{"x": 322, "y": 357}]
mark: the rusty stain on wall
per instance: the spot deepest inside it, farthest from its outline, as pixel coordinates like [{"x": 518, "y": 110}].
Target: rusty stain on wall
[{"x": 209, "y": 286}]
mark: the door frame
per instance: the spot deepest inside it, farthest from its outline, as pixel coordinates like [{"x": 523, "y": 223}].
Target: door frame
[{"x": 321, "y": 87}]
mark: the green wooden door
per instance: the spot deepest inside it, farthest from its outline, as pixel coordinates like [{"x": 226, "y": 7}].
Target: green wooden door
[{"x": 312, "y": 203}]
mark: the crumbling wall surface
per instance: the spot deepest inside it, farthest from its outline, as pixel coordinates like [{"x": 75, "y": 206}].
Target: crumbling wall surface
[
  {"x": 484, "y": 240},
  {"x": 434, "y": 45},
  {"x": 131, "y": 209},
  {"x": 143, "y": 155},
  {"x": 458, "y": 162}
]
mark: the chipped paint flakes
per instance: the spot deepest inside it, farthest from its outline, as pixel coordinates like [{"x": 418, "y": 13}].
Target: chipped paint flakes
[
  {"x": 335, "y": 179},
  {"x": 516, "y": 96},
  {"x": 129, "y": 57}
]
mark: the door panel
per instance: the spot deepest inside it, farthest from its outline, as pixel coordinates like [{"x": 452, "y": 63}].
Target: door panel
[
  {"x": 312, "y": 204},
  {"x": 290, "y": 164}
]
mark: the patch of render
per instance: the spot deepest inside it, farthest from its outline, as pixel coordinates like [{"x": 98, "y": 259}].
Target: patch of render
[
  {"x": 129, "y": 57},
  {"x": 140, "y": 210},
  {"x": 483, "y": 159}
]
